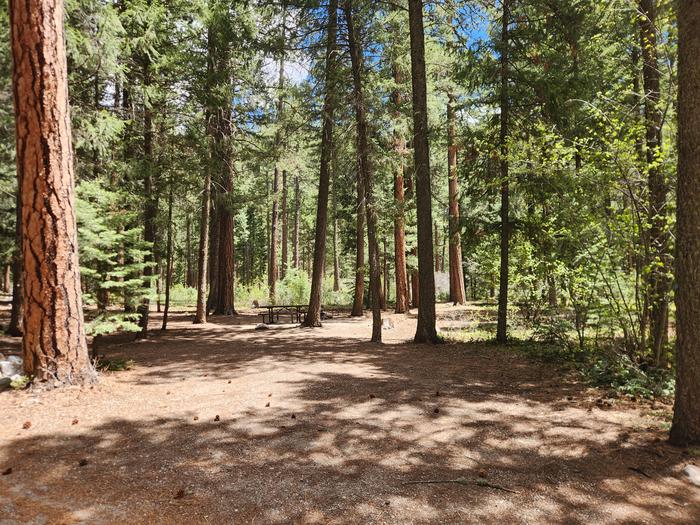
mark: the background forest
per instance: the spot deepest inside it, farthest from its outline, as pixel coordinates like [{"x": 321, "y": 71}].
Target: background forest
[{"x": 552, "y": 140}]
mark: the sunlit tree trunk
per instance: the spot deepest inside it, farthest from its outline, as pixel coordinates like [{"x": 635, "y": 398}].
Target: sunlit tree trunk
[
  {"x": 359, "y": 294},
  {"x": 313, "y": 317},
  {"x": 457, "y": 292},
  {"x": 686, "y": 417},
  {"x": 425, "y": 331},
  {"x": 54, "y": 345}
]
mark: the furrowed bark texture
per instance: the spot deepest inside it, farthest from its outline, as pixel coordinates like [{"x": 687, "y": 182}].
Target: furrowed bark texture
[
  {"x": 425, "y": 331},
  {"x": 686, "y": 416},
  {"x": 54, "y": 346}
]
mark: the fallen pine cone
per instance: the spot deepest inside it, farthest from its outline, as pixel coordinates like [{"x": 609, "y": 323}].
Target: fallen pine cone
[
  {"x": 82, "y": 462},
  {"x": 217, "y": 418},
  {"x": 27, "y": 425},
  {"x": 196, "y": 418},
  {"x": 180, "y": 494},
  {"x": 75, "y": 422}
]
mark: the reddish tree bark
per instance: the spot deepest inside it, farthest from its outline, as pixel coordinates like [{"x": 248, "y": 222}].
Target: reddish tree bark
[{"x": 54, "y": 345}]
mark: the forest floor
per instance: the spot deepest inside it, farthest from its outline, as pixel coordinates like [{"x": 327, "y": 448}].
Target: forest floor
[{"x": 221, "y": 423}]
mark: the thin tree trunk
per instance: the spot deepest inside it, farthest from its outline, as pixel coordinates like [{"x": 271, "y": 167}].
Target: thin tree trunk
[
  {"x": 285, "y": 227},
  {"x": 16, "y": 313},
  {"x": 273, "y": 269},
  {"x": 436, "y": 238},
  {"x": 151, "y": 204},
  {"x": 425, "y": 331},
  {"x": 274, "y": 273},
  {"x": 457, "y": 291},
  {"x": 168, "y": 257},
  {"x": 54, "y": 344},
  {"x": 685, "y": 430},
  {"x": 502, "y": 327},
  {"x": 365, "y": 170},
  {"x": 359, "y": 294},
  {"x": 297, "y": 221},
  {"x": 189, "y": 270},
  {"x": 399, "y": 143},
  {"x": 7, "y": 282},
  {"x": 334, "y": 205},
  {"x": 313, "y": 317},
  {"x": 385, "y": 281},
  {"x": 159, "y": 284},
  {"x": 659, "y": 276},
  {"x": 203, "y": 252}
]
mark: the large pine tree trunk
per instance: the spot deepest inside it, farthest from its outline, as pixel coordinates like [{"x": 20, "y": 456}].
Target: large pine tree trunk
[
  {"x": 224, "y": 304},
  {"x": 502, "y": 326},
  {"x": 425, "y": 331},
  {"x": 457, "y": 292},
  {"x": 686, "y": 416},
  {"x": 313, "y": 317},
  {"x": 365, "y": 171},
  {"x": 659, "y": 242},
  {"x": 54, "y": 345}
]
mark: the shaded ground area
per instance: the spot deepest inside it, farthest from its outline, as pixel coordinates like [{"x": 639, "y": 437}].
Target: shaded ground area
[{"x": 322, "y": 427}]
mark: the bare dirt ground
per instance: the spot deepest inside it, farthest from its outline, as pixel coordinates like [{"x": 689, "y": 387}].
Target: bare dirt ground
[{"x": 224, "y": 424}]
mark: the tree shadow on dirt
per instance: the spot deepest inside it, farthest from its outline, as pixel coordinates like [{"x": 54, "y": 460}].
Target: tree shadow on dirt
[{"x": 348, "y": 425}]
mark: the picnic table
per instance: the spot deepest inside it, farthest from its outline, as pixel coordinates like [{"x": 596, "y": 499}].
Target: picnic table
[{"x": 296, "y": 313}]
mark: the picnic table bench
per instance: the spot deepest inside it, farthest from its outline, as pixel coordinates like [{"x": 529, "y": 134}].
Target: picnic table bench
[{"x": 296, "y": 313}]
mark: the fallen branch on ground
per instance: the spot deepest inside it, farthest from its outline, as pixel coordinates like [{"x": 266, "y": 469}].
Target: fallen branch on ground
[{"x": 462, "y": 481}]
